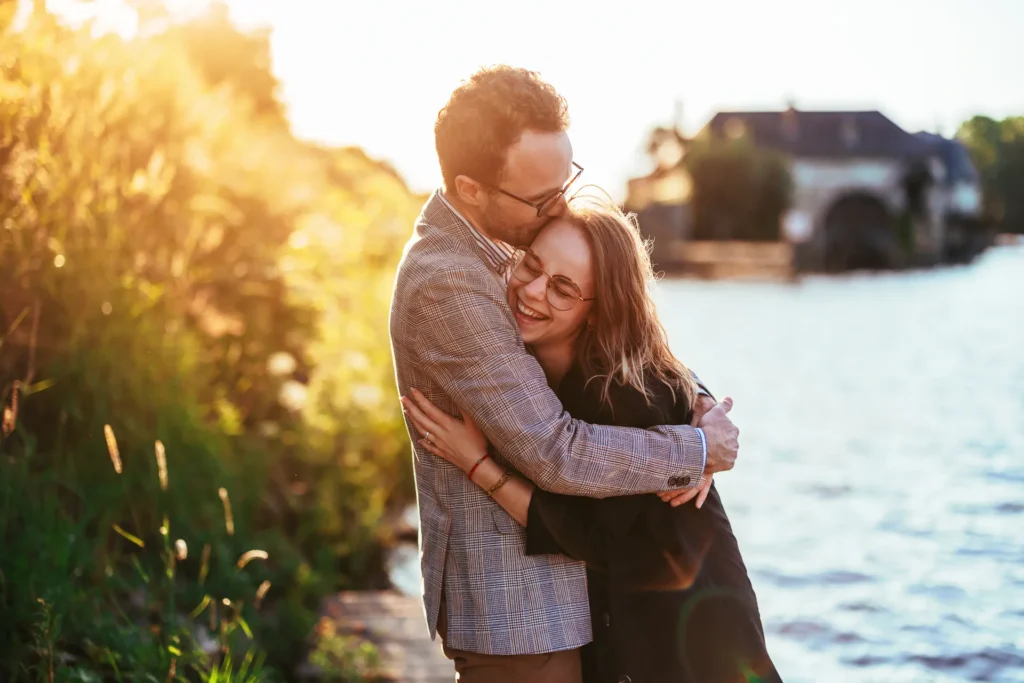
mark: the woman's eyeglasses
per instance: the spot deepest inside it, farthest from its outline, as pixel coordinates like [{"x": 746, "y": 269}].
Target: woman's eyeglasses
[
  {"x": 545, "y": 204},
  {"x": 563, "y": 293}
]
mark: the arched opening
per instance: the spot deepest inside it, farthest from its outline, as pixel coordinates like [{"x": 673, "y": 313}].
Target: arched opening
[{"x": 860, "y": 234}]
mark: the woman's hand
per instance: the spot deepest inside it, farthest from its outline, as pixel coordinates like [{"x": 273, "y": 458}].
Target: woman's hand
[
  {"x": 459, "y": 442},
  {"x": 675, "y": 498}
]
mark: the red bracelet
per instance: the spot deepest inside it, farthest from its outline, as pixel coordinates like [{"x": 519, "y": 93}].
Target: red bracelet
[{"x": 472, "y": 469}]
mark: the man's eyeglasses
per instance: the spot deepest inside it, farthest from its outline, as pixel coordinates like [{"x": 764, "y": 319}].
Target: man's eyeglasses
[
  {"x": 563, "y": 293},
  {"x": 545, "y": 204}
]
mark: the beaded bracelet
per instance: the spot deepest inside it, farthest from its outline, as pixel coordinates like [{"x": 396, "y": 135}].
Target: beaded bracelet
[
  {"x": 501, "y": 482},
  {"x": 472, "y": 469}
]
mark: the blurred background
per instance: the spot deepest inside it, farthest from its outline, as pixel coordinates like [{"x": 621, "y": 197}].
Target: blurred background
[{"x": 203, "y": 205}]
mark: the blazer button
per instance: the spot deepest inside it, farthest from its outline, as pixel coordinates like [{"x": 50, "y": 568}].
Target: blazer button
[
  {"x": 625, "y": 679},
  {"x": 686, "y": 481}
]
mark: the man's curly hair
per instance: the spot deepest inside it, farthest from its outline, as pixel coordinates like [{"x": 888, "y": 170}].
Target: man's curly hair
[{"x": 487, "y": 114}]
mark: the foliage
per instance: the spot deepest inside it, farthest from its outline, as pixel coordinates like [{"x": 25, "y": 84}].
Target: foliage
[
  {"x": 343, "y": 657},
  {"x": 740, "y": 191},
  {"x": 178, "y": 267},
  {"x": 997, "y": 149}
]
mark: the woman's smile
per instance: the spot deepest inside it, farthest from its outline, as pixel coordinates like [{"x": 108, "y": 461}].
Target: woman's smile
[{"x": 527, "y": 315}]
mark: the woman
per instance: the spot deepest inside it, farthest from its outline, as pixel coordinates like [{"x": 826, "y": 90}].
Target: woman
[{"x": 669, "y": 594}]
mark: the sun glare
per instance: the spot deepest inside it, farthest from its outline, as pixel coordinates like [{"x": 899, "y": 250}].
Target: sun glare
[
  {"x": 116, "y": 16},
  {"x": 375, "y": 75}
]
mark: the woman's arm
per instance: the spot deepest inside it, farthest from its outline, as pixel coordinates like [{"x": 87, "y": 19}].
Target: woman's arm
[
  {"x": 555, "y": 524},
  {"x": 462, "y": 444},
  {"x": 514, "y": 495}
]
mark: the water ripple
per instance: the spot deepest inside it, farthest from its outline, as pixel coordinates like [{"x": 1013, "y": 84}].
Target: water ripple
[
  {"x": 983, "y": 665},
  {"x": 818, "y": 631},
  {"x": 877, "y": 509}
]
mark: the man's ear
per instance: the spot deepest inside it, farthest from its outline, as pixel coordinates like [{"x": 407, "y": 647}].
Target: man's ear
[{"x": 469, "y": 191}]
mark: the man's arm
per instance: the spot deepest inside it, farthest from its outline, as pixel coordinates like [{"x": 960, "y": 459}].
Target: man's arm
[{"x": 470, "y": 348}]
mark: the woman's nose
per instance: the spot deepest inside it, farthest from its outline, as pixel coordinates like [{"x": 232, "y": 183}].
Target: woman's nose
[{"x": 538, "y": 289}]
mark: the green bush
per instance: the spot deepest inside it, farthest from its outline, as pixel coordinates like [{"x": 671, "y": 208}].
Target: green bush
[
  {"x": 740, "y": 190},
  {"x": 176, "y": 265},
  {"x": 997, "y": 149}
]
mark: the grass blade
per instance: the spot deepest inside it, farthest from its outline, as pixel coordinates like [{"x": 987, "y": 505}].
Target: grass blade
[
  {"x": 134, "y": 539},
  {"x": 202, "y": 605}
]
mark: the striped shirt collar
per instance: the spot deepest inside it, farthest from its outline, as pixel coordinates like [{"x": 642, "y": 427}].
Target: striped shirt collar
[{"x": 496, "y": 252}]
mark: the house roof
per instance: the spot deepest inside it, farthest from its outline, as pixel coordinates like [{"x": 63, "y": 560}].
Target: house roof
[
  {"x": 954, "y": 156},
  {"x": 821, "y": 133}
]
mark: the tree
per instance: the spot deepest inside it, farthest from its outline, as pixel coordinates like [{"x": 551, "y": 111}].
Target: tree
[
  {"x": 997, "y": 148},
  {"x": 8, "y": 9},
  {"x": 740, "y": 191},
  {"x": 227, "y": 56}
]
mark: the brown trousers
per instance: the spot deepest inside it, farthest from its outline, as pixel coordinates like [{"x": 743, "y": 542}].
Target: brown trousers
[{"x": 473, "y": 667}]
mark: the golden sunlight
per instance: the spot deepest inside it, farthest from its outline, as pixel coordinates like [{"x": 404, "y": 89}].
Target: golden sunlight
[{"x": 120, "y": 16}]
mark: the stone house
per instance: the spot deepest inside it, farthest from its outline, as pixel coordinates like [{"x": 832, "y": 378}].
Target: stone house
[{"x": 866, "y": 192}]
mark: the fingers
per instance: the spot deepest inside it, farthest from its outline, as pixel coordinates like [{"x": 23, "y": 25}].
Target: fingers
[
  {"x": 435, "y": 449},
  {"x": 421, "y": 422},
  {"x": 684, "y": 497},
  {"x": 669, "y": 496},
  {"x": 677, "y": 497},
  {"x": 726, "y": 404},
  {"x": 698, "y": 415},
  {"x": 429, "y": 409},
  {"x": 705, "y": 489}
]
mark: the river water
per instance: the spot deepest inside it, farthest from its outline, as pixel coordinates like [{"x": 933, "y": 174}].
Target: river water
[{"x": 879, "y": 493}]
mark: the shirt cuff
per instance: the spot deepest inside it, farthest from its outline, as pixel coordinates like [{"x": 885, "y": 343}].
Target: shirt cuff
[{"x": 704, "y": 448}]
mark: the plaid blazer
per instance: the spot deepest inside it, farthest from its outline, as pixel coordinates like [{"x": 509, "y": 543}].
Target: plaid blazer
[{"x": 454, "y": 338}]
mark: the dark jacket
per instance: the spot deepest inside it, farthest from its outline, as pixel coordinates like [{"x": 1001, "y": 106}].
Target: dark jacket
[{"x": 669, "y": 593}]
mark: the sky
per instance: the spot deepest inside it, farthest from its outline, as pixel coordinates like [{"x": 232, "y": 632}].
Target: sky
[{"x": 375, "y": 73}]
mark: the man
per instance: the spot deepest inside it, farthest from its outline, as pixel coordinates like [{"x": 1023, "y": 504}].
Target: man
[{"x": 507, "y": 164}]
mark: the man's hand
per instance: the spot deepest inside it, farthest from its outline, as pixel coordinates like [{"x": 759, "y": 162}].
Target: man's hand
[
  {"x": 677, "y": 497},
  {"x": 722, "y": 436},
  {"x": 704, "y": 404}
]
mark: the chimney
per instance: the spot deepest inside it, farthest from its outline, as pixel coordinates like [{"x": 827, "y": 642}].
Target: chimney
[{"x": 790, "y": 121}]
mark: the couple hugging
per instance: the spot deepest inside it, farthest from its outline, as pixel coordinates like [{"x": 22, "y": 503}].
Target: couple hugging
[{"x": 569, "y": 526}]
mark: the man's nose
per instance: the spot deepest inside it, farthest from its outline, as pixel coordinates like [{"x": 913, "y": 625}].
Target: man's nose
[{"x": 559, "y": 208}]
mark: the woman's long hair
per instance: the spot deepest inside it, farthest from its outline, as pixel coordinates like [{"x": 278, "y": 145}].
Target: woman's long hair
[{"x": 626, "y": 343}]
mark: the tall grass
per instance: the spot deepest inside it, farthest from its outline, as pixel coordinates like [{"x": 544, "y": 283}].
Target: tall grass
[
  {"x": 96, "y": 598},
  {"x": 192, "y": 370}
]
